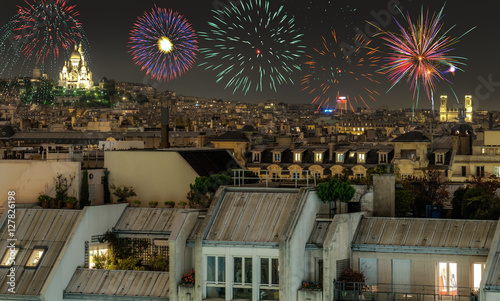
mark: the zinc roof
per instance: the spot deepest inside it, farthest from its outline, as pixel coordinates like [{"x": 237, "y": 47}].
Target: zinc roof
[
  {"x": 91, "y": 284},
  {"x": 437, "y": 233},
  {"x": 35, "y": 228},
  {"x": 146, "y": 220},
  {"x": 250, "y": 217}
]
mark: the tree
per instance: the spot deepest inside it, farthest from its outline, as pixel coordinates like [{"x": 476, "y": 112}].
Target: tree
[
  {"x": 333, "y": 191},
  {"x": 62, "y": 185},
  {"x": 84, "y": 190},
  {"x": 203, "y": 190},
  {"x": 123, "y": 192},
  {"x": 405, "y": 201},
  {"x": 476, "y": 202}
]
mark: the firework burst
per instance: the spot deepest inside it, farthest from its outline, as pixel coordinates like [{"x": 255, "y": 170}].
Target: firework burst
[
  {"x": 163, "y": 43},
  {"x": 41, "y": 30},
  {"x": 252, "y": 46},
  {"x": 338, "y": 76},
  {"x": 420, "y": 53}
]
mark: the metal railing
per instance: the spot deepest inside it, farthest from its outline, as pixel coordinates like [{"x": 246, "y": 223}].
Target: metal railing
[
  {"x": 303, "y": 178},
  {"x": 352, "y": 291}
]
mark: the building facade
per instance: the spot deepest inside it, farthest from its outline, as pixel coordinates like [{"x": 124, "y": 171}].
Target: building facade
[
  {"x": 453, "y": 115},
  {"x": 76, "y": 73}
]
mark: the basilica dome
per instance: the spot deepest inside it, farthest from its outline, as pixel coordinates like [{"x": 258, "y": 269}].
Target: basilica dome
[{"x": 75, "y": 55}]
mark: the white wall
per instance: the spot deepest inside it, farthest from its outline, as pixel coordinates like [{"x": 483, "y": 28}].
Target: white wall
[
  {"x": 29, "y": 179},
  {"x": 95, "y": 220},
  {"x": 292, "y": 249},
  {"x": 156, "y": 175},
  {"x": 337, "y": 246}
]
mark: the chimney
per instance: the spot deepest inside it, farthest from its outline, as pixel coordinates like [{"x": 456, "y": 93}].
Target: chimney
[{"x": 164, "y": 128}]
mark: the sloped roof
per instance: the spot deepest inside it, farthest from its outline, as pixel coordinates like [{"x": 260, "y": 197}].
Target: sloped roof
[
  {"x": 126, "y": 285},
  {"x": 425, "y": 234},
  {"x": 35, "y": 228},
  {"x": 318, "y": 234},
  {"x": 146, "y": 221},
  {"x": 413, "y": 136},
  {"x": 232, "y": 136},
  {"x": 209, "y": 161},
  {"x": 252, "y": 216}
]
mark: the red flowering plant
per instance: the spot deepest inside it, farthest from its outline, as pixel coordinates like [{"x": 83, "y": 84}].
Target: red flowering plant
[
  {"x": 312, "y": 286},
  {"x": 188, "y": 278}
]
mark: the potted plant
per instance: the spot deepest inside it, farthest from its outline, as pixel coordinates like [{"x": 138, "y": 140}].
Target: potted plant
[
  {"x": 153, "y": 204},
  {"x": 44, "y": 200},
  {"x": 136, "y": 203},
  {"x": 70, "y": 202},
  {"x": 169, "y": 204},
  {"x": 182, "y": 204},
  {"x": 188, "y": 278}
]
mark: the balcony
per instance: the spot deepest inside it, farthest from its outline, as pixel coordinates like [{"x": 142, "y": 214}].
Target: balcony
[{"x": 350, "y": 291}]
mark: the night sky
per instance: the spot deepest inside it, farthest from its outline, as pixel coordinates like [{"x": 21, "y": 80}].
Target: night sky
[{"x": 107, "y": 24}]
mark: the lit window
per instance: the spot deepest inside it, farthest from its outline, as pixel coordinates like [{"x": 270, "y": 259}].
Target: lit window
[
  {"x": 97, "y": 253},
  {"x": 9, "y": 257},
  {"x": 242, "y": 284},
  {"x": 496, "y": 171},
  {"x": 447, "y": 278},
  {"x": 478, "y": 269},
  {"x": 340, "y": 157},
  {"x": 269, "y": 279},
  {"x": 361, "y": 158},
  {"x": 297, "y": 157},
  {"x": 36, "y": 257},
  {"x": 216, "y": 277},
  {"x": 318, "y": 157}
]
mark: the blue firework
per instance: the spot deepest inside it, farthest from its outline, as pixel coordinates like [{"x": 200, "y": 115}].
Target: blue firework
[{"x": 163, "y": 43}]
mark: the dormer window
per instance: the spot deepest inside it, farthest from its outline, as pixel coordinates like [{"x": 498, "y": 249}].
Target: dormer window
[
  {"x": 276, "y": 156},
  {"x": 439, "y": 156},
  {"x": 256, "y": 157},
  {"x": 297, "y": 157},
  {"x": 340, "y": 158},
  {"x": 318, "y": 157},
  {"x": 382, "y": 158},
  {"x": 361, "y": 157}
]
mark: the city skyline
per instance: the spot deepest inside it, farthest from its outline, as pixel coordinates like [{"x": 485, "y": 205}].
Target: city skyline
[{"x": 107, "y": 28}]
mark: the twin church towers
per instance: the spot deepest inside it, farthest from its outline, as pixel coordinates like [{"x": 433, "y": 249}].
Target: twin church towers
[{"x": 455, "y": 115}]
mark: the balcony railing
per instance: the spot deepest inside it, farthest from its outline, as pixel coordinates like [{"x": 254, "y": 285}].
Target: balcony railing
[
  {"x": 296, "y": 178},
  {"x": 351, "y": 291}
]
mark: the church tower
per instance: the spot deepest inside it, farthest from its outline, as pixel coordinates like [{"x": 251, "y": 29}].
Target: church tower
[
  {"x": 468, "y": 108},
  {"x": 443, "y": 109}
]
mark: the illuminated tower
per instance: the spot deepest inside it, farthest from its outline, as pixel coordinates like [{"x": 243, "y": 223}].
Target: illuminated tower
[
  {"x": 468, "y": 108},
  {"x": 443, "y": 109}
]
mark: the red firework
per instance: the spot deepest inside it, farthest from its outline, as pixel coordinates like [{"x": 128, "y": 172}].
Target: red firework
[{"x": 45, "y": 27}]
